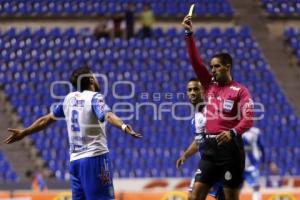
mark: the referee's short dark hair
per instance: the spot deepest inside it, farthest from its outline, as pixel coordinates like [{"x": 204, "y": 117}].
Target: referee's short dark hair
[
  {"x": 224, "y": 58},
  {"x": 80, "y": 78}
]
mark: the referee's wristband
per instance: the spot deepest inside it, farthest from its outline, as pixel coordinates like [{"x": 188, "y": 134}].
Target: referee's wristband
[
  {"x": 123, "y": 127},
  {"x": 188, "y": 32}
]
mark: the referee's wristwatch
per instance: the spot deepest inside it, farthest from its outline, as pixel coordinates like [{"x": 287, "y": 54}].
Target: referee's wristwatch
[
  {"x": 188, "y": 32},
  {"x": 232, "y": 133}
]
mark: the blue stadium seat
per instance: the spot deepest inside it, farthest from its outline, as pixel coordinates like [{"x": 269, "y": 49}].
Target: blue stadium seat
[
  {"x": 6, "y": 172},
  {"x": 282, "y": 7},
  {"x": 73, "y": 8}
]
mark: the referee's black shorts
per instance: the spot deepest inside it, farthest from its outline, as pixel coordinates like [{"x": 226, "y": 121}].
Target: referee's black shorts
[{"x": 223, "y": 163}]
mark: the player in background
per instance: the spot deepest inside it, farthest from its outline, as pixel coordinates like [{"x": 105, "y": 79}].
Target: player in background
[
  {"x": 195, "y": 94},
  {"x": 38, "y": 182},
  {"x": 254, "y": 158},
  {"x": 86, "y": 115},
  {"x": 273, "y": 179}
]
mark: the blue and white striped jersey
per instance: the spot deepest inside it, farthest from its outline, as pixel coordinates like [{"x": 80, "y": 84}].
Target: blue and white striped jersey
[
  {"x": 198, "y": 126},
  {"x": 84, "y": 113},
  {"x": 253, "y": 148}
]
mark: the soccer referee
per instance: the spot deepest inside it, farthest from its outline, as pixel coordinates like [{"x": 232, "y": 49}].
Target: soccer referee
[{"x": 229, "y": 114}]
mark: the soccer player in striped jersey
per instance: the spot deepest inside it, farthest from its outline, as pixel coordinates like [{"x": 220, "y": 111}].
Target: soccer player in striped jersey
[
  {"x": 86, "y": 114},
  {"x": 254, "y": 157},
  {"x": 195, "y": 94}
]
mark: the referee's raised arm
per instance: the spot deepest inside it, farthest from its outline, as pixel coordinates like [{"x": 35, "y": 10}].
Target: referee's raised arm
[{"x": 201, "y": 71}]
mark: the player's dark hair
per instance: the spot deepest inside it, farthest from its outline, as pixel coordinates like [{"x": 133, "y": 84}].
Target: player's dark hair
[
  {"x": 80, "y": 78},
  {"x": 193, "y": 79},
  {"x": 224, "y": 58}
]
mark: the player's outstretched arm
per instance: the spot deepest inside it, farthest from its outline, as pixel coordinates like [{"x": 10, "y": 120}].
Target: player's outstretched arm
[
  {"x": 191, "y": 150},
  {"x": 117, "y": 122},
  {"x": 103, "y": 112},
  {"x": 39, "y": 124}
]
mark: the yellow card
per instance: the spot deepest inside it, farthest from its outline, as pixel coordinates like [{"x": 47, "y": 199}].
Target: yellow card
[{"x": 191, "y": 10}]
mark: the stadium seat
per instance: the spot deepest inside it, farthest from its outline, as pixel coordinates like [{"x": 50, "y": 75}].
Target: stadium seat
[
  {"x": 287, "y": 8},
  {"x": 75, "y": 8},
  {"x": 6, "y": 172}
]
